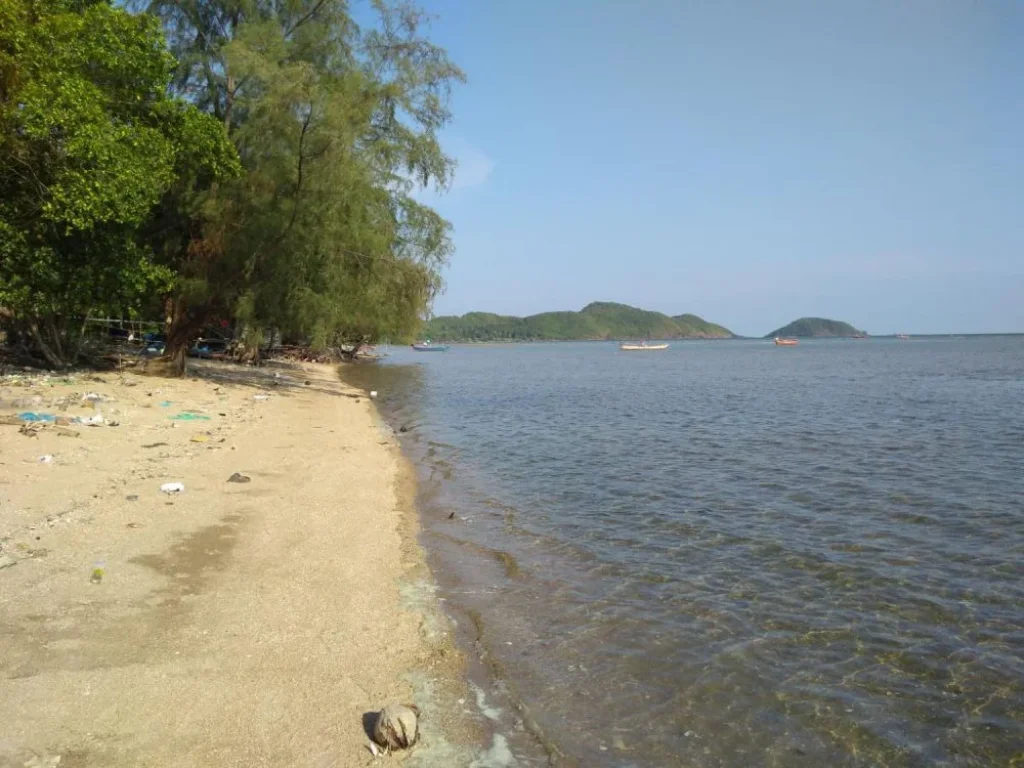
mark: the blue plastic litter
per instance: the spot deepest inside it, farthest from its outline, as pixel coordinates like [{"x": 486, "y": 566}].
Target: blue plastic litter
[
  {"x": 186, "y": 416},
  {"x": 33, "y": 416}
]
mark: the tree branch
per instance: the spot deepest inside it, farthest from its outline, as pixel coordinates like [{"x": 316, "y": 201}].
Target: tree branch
[{"x": 316, "y": 9}]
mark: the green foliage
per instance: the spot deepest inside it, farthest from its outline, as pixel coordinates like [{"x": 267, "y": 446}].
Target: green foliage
[
  {"x": 320, "y": 238},
  {"x": 630, "y": 322},
  {"x": 807, "y": 327},
  {"x": 89, "y": 143},
  {"x": 599, "y": 320},
  {"x": 276, "y": 188},
  {"x": 692, "y": 326}
]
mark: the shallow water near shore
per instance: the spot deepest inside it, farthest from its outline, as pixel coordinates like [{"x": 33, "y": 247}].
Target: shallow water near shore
[{"x": 727, "y": 553}]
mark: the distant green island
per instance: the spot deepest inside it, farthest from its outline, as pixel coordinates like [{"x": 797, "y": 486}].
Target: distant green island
[
  {"x": 816, "y": 327},
  {"x": 599, "y": 320}
]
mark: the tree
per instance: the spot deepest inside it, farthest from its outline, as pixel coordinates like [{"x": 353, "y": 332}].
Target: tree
[
  {"x": 321, "y": 237},
  {"x": 90, "y": 141}
]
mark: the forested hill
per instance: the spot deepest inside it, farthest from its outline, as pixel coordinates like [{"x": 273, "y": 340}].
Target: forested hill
[
  {"x": 600, "y": 320},
  {"x": 808, "y": 327}
]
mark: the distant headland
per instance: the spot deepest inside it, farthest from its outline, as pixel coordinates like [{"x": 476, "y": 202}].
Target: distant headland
[
  {"x": 609, "y": 320},
  {"x": 599, "y": 320},
  {"x": 816, "y": 327}
]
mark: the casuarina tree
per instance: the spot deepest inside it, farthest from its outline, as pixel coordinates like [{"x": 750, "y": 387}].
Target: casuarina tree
[{"x": 336, "y": 126}]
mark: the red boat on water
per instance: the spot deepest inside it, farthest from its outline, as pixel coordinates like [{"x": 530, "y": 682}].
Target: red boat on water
[{"x": 785, "y": 342}]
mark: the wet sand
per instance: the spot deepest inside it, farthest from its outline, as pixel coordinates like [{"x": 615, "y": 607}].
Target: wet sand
[{"x": 235, "y": 624}]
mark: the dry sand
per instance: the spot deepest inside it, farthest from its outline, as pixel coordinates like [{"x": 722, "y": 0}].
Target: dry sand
[{"x": 236, "y": 624}]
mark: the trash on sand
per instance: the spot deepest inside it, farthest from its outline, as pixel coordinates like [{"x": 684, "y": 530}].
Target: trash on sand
[
  {"x": 90, "y": 421},
  {"x": 46, "y": 459},
  {"x": 238, "y": 477},
  {"x": 172, "y": 488},
  {"x": 261, "y": 397},
  {"x": 30, "y": 430},
  {"x": 201, "y": 439},
  {"x": 373, "y": 749},
  {"x": 189, "y": 416},
  {"x": 12, "y": 421},
  {"x": 165, "y": 404},
  {"x": 373, "y": 393},
  {"x": 33, "y": 416},
  {"x": 93, "y": 397},
  {"x": 397, "y": 726},
  {"x": 97, "y": 573}
]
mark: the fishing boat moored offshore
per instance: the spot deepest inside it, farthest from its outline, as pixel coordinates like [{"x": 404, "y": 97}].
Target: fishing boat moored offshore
[
  {"x": 643, "y": 346},
  {"x": 429, "y": 346}
]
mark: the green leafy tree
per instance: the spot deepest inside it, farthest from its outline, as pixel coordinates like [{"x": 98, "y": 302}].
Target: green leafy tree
[
  {"x": 321, "y": 238},
  {"x": 90, "y": 141}
]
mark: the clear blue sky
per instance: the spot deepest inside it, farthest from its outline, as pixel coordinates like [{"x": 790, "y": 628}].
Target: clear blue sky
[{"x": 749, "y": 161}]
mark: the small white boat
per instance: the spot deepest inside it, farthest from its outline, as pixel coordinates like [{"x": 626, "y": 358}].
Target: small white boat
[
  {"x": 643, "y": 346},
  {"x": 429, "y": 346}
]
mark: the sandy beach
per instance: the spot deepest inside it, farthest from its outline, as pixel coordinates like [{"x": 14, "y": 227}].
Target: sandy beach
[{"x": 249, "y": 623}]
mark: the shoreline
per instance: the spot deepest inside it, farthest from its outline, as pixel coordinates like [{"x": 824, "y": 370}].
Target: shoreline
[
  {"x": 516, "y": 736},
  {"x": 257, "y": 623}
]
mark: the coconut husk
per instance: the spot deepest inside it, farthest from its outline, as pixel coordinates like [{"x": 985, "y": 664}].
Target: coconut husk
[{"x": 397, "y": 726}]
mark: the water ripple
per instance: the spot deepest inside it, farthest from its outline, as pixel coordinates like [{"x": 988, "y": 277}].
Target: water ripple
[{"x": 727, "y": 556}]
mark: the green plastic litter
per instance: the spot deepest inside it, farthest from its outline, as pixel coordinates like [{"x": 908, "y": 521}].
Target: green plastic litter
[{"x": 189, "y": 417}]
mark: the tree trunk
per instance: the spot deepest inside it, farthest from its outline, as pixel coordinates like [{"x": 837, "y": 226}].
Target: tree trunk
[
  {"x": 229, "y": 101},
  {"x": 52, "y": 357},
  {"x": 176, "y": 351},
  {"x": 183, "y": 329}
]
